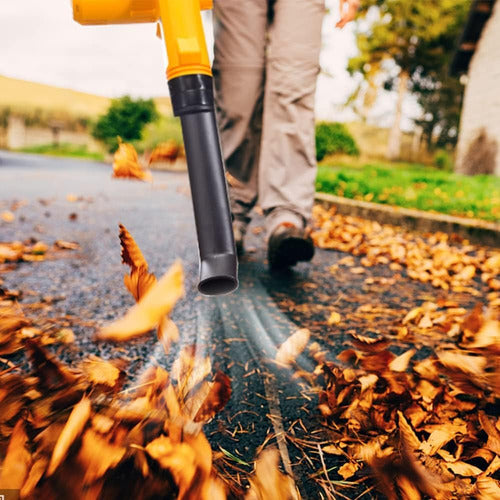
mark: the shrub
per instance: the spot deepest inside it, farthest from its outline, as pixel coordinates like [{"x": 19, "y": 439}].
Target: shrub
[
  {"x": 125, "y": 118},
  {"x": 334, "y": 138},
  {"x": 443, "y": 160}
]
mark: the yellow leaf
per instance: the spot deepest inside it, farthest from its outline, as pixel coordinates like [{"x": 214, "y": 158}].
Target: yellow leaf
[
  {"x": 97, "y": 455},
  {"x": 7, "y": 216},
  {"x": 348, "y": 469},
  {"x": 268, "y": 481},
  {"x": 293, "y": 347},
  {"x": 151, "y": 308},
  {"x": 400, "y": 364},
  {"x": 334, "y": 318},
  {"x": 99, "y": 371},
  {"x": 73, "y": 428}
]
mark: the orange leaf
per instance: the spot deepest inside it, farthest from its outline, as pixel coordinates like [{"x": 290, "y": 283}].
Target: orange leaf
[
  {"x": 131, "y": 253},
  {"x": 268, "y": 481},
  {"x": 73, "y": 428},
  {"x": 216, "y": 399},
  {"x": 293, "y": 347},
  {"x": 151, "y": 308},
  {"x": 97, "y": 455},
  {"x": 17, "y": 460},
  {"x": 139, "y": 282},
  {"x": 126, "y": 164}
]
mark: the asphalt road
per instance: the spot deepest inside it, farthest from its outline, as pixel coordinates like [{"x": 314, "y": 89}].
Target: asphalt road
[{"x": 240, "y": 332}]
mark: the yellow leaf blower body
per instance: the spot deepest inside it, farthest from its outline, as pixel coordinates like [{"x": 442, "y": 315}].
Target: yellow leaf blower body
[{"x": 191, "y": 91}]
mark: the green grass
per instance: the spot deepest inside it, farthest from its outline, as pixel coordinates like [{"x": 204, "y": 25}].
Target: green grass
[
  {"x": 414, "y": 186},
  {"x": 67, "y": 150}
]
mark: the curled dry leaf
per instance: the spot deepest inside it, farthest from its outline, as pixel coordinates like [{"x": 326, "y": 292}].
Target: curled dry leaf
[
  {"x": 73, "y": 428},
  {"x": 101, "y": 372},
  {"x": 151, "y": 308},
  {"x": 216, "y": 399},
  {"x": 126, "y": 164},
  {"x": 293, "y": 347},
  {"x": 97, "y": 455},
  {"x": 17, "y": 461},
  {"x": 131, "y": 253},
  {"x": 268, "y": 481}
]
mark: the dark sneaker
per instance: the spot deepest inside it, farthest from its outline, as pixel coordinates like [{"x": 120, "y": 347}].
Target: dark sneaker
[{"x": 287, "y": 245}]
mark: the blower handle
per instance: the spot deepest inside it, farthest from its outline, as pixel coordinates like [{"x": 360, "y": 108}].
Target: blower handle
[{"x": 193, "y": 100}]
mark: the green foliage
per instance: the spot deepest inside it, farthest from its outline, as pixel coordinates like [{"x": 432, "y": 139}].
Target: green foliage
[
  {"x": 125, "y": 118},
  {"x": 65, "y": 150},
  {"x": 167, "y": 128},
  {"x": 334, "y": 138},
  {"x": 416, "y": 38},
  {"x": 415, "y": 186},
  {"x": 443, "y": 160}
]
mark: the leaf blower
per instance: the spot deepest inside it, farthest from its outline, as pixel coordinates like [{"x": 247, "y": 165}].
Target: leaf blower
[{"x": 191, "y": 91}]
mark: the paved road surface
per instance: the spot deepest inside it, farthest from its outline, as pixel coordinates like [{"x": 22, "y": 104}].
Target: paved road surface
[{"x": 240, "y": 332}]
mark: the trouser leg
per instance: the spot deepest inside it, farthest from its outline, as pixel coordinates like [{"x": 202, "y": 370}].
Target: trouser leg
[
  {"x": 239, "y": 63},
  {"x": 287, "y": 168}
]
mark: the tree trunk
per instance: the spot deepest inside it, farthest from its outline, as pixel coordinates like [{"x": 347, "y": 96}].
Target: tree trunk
[{"x": 394, "y": 144}]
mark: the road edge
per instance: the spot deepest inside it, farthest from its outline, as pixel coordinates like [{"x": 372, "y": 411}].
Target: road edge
[{"x": 474, "y": 230}]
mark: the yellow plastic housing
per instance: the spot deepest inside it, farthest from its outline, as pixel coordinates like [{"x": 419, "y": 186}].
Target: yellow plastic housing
[{"x": 181, "y": 21}]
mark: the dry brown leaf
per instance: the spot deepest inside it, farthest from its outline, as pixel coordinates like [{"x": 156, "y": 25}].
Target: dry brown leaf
[
  {"x": 101, "y": 372},
  {"x": 189, "y": 369},
  {"x": 139, "y": 282},
  {"x": 131, "y": 253},
  {"x": 216, "y": 399},
  {"x": 151, "y": 308},
  {"x": 73, "y": 428},
  {"x": 167, "y": 333},
  {"x": 97, "y": 455},
  {"x": 348, "y": 470},
  {"x": 335, "y": 318},
  {"x": 35, "y": 474},
  {"x": 126, "y": 164},
  {"x": 487, "y": 488},
  {"x": 268, "y": 481},
  {"x": 400, "y": 364},
  {"x": 464, "y": 469},
  {"x": 293, "y": 347},
  {"x": 17, "y": 461}
]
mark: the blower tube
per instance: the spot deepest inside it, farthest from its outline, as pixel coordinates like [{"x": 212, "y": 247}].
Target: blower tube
[{"x": 193, "y": 100}]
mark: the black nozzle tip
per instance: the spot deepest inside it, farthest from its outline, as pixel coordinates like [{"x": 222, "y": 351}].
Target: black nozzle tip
[{"x": 218, "y": 274}]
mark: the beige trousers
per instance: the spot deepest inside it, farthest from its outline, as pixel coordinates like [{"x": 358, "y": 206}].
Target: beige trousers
[{"x": 265, "y": 70}]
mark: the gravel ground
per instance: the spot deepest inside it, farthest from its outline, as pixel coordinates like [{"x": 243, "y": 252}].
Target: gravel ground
[{"x": 240, "y": 332}]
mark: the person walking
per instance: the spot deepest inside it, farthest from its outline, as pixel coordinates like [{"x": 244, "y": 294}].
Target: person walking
[{"x": 266, "y": 63}]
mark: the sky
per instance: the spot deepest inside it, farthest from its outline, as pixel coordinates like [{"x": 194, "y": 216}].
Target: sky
[{"x": 39, "y": 41}]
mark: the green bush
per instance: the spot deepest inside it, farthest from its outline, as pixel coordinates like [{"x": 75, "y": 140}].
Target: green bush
[
  {"x": 334, "y": 138},
  {"x": 167, "y": 128},
  {"x": 443, "y": 160},
  {"x": 125, "y": 118}
]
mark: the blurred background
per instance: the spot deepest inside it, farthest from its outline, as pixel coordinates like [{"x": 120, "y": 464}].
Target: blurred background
[{"x": 407, "y": 103}]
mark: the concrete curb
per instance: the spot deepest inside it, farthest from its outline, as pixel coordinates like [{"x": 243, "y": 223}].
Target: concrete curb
[{"x": 476, "y": 231}]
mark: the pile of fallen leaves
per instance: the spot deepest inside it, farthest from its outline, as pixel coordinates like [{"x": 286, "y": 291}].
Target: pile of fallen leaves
[
  {"x": 81, "y": 432},
  {"x": 422, "y": 428},
  {"x": 32, "y": 250},
  {"x": 435, "y": 259},
  {"x": 126, "y": 163}
]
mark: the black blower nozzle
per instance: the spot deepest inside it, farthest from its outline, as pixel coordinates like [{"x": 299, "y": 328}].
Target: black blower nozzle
[{"x": 192, "y": 100}]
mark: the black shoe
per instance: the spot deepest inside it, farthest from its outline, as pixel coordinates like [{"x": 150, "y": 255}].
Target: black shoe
[{"x": 288, "y": 245}]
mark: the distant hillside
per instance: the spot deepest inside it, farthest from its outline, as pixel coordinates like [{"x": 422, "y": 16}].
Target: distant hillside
[{"x": 21, "y": 95}]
